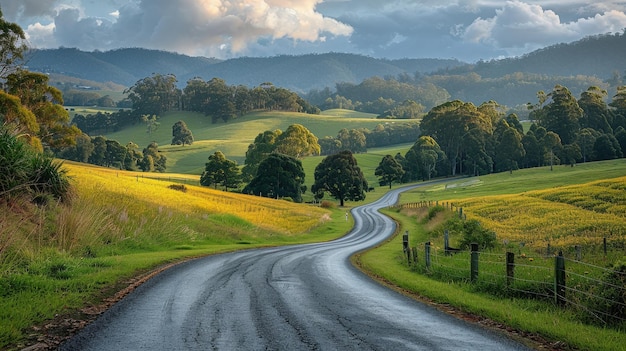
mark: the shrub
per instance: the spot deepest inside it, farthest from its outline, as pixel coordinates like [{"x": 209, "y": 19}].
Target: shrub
[
  {"x": 474, "y": 233},
  {"x": 328, "y": 204},
  {"x": 178, "y": 187},
  {"x": 26, "y": 172},
  {"x": 432, "y": 211}
]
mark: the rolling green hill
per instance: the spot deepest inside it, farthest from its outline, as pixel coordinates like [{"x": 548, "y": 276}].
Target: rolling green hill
[{"x": 233, "y": 138}]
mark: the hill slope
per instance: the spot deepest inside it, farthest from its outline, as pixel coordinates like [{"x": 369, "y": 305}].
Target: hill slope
[{"x": 299, "y": 73}]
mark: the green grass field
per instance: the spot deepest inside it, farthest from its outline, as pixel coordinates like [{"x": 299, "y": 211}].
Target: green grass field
[{"x": 234, "y": 137}]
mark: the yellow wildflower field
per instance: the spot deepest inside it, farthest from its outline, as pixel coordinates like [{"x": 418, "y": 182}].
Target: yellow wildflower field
[{"x": 562, "y": 217}]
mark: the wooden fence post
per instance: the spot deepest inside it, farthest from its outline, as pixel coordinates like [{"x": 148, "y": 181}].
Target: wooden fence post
[
  {"x": 405, "y": 241},
  {"x": 559, "y": 279},
  {"x": 427, "y": 254},
  {"x": 446, "y": 241},
  {"x": 510, "y": 268},
  {"x": 415, "y": 255},
  {"x": 474, "y": 262}
]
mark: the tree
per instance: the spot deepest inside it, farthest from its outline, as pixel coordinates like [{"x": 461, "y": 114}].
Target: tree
[
  {"x": 329, "y": 145},
  {"x": 220, "y": 105},
  {"x": 571, "y": 153},
  {"x": 153, "y": 160},
  {"x": 464, "y": 117},
  {"x": 151, "y": 123},
  {"x": 606, "y": 147},
  {"x": 46, "y": 103},
  {"x": 221, "y": 171},
  {"x": 551, "y": 143},
  {"x": 264, "y": 144},
  {"x": 389, "y": 170},
  {"x": 154, "y": 95},
  {"x": 297, "y": 141},
  {"x": 132, "y": 157},
  {"x": 596, "y": 113},
  {"x": 562, "y": 114},
  {"x": 278, "y": 176},
  {"x": 510, "y": 150},
  {"x": 99, "y": 154},
  {"x": 585, "y": 139},
  {"x": 340, "y": 175},
  {"x": 181, "y": 134},
  {"x": 422, "y": 158},
  {"x": 12, "y": 46},
  {"x": 353, "y": 140}
]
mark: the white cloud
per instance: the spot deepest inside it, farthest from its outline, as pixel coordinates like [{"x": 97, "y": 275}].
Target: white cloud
[
  {"x": 519, "y": 25},
  {"x": 40, "y": 35},
  {"x": 196, "y": 27}
]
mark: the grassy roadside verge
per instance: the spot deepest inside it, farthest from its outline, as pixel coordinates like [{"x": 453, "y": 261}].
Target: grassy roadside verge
[
  {"x": 63, "y": 264},
  {"x": 541, "y": 324},
  {"x": 61, "y": 294}
]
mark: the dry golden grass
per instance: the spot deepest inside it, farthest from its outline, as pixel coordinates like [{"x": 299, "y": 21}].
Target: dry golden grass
[{"x": 135, "y": 194}]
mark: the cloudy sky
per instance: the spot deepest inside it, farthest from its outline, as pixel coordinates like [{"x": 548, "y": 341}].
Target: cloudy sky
[{"x": 468, "y": 30}]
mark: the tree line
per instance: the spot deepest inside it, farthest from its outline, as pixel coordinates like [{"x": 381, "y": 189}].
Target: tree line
[{"x": 460, "y": 138}]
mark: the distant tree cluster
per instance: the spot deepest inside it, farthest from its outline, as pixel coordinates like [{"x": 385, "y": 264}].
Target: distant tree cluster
[
  {"x": 104, "y": 122},
  {"x": 461, "y": 138},
  {"x": 223, "y": 102},
  {"x": 110, "y": 153},
  {"x": 359, "y": 140}
]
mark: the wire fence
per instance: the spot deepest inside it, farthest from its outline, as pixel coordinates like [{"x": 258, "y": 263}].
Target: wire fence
[{"x": 596, "y": 294}]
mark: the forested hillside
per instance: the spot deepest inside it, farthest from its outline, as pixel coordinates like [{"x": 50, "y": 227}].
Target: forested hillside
[{"x": 298, "y": 73}]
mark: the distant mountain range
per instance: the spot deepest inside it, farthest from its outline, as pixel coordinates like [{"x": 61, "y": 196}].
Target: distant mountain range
[
  {"x": 601, "y": 57},
  {"x": 298, "y": 73}
]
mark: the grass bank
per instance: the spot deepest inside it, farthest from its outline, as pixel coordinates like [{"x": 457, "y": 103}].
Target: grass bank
[{"x": 60, "y": 263}]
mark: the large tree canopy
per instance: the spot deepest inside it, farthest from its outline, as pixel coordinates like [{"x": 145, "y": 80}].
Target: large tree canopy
[
  {"x": 450, "y": 123},
  {"x": 297, "y": 141},
  {"x": 221, "y": 171},
  {"x": 389, "y": 170},
  {"x": 278, "y": 176},
  {"x": 181, "y": 134},
  {"x": 12, "y": 46},
  {"x": 340, "y": 176},
  {"x": 154, "y": 95}
]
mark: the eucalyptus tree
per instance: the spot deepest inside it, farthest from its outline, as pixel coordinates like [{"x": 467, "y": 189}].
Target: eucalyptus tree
[
  {"x": 422, "y": 158},
  {"x": 181, "y": 134},
  {"x": 510, "y": 151},
  {"x": 12, "y": 46},
  {"x": 562, "y": 114},
  {"x": 389, "y": 170},
  {"x": 154, "y": 95},
  {"x": 618, "y": 104},
  {"x": 341, "y": 176},
  {"x": 221, "y": 171},
  {"x": 278, "y": 176},
  {"x": 264, "y": 144},
  {"x": 297, "y": 141},
  {"x": 596, "y": 113},
  {"x": 450, "y": 123}
]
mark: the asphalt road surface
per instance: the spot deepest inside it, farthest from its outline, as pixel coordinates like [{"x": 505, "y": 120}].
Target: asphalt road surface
[{"x": 304, "y": 297}]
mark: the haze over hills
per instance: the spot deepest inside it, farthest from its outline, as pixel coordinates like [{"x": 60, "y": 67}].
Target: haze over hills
[
  {"x": 593, "y": 61},
  {"x": 298, "y": 73}
]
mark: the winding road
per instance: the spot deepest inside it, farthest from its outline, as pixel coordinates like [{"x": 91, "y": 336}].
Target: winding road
[{"x": 303, "y": 297}]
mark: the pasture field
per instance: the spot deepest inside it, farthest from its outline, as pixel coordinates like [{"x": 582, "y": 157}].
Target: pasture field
[
  {"x": 65, "y": 260},
  {"x": 234, "y": 137}
]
